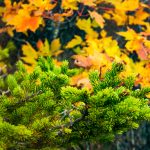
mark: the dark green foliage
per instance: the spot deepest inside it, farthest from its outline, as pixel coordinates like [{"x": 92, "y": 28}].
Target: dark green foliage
[
  {"x": 41, "y": 109},
  {"x": 111, "y": 78}
]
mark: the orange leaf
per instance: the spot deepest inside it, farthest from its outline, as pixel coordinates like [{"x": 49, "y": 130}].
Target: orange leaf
[
  {"x": 88, "y": 2},
  {"x": 143, "y": 52},
  {"x": 98, "y": 18},
  {"x": 145, "y": 33},
  {"x": 39, "y": 44},
  {"x": 31, "y": 23},
  {"x": 22, "y": 21},
  {"x": 82, "y": 61}
]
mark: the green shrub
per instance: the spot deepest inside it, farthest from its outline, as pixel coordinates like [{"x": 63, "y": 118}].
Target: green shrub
[{"x": 41, "y": 110}]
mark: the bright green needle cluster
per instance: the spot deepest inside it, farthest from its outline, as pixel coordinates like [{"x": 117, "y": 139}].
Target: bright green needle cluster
[{"x": 41, "y": 109}]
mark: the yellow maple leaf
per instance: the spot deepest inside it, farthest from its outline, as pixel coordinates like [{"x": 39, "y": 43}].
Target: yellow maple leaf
[
  {"x": 120, "y": 18},
  {"x": 29, "y": 53},
  {"x": 42, "y": 4},
  {"x": 130, "y": 34},
  {"x": 130, "y": 5},
  {"x": 142, "y": 73},
  {"x": 120, "y": 10},
  {"x": 86, "y": 25},
  {"x": 29, "y": 56},
  {"x": 110, "y": 46},
  {"x": 136, "y": 42},
  {"x": 55, "y": 45},
  {"x": 88, "y": 2},
  {"x": 43, "y": 48},
  {"x": 106, "y": 44},
  {"x": 139, "y": 17},
  {"x": 126, "y": 5},
  {"x": 92, "y": 45},
  {"x": 74, "y": 42},
  {"x": 133, "y": 45},
  {"x": 47, "y": 49},
  {"x": 70, "y": 4}
]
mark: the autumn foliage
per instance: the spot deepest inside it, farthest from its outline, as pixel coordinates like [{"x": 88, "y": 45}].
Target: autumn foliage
[{"x": 112, "y": 30}]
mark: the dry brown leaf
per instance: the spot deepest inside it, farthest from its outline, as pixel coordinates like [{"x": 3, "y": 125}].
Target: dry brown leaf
[{"x": 82, "y": 61}]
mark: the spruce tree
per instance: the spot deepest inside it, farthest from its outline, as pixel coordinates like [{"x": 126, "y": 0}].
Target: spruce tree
[{"x": 41, "y": 110}]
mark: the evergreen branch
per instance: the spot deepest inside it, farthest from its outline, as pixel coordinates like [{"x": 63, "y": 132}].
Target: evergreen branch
[
  {"x": 29, "y": 98},
  {"x": 60, "y": 113},
  {"x": 70, "y": 124},
  {"x": 4, "y": 92}
]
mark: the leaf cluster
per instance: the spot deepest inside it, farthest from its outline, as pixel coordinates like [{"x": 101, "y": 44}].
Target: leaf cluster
[{"x": 99, "y": 30}]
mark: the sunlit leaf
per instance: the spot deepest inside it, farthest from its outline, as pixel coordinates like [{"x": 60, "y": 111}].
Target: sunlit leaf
[
  {"x": 42, "y": 4},
  {"x": 70, "y": 4},
  {"x": 81, "y": 80},
  {"x": 29, "y": 56},
  {"x": 139, "y": 17},
  {"x": 130, "y": 34},
  {"x": 88, "y": 2},
  {"x": 55, "y": 45},
  {"x": 86, "y": 25},
  {"x": 74, "y": 42},
  {"x": 98, "y": 18}
]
